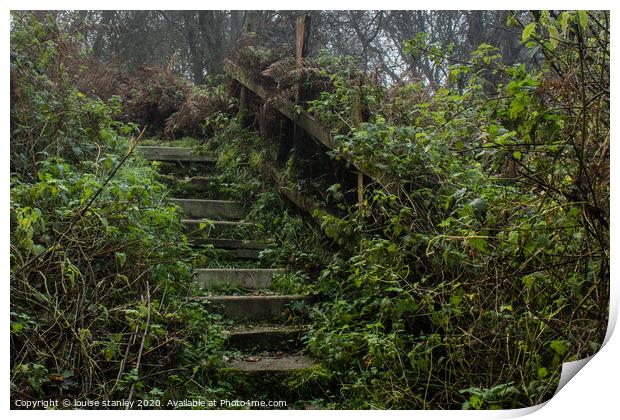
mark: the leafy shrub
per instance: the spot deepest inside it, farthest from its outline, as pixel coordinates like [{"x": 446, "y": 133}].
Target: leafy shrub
[
  {"x": 100, "y": 268},
  {"x": 490, "y": 266}
]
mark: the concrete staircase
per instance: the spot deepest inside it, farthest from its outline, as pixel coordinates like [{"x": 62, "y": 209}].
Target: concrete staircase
[{"x": 263, "y": 341}]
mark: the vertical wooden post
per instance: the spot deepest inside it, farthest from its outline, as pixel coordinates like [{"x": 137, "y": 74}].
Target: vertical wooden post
[
  {"x": 360, "y": 188},
  {"x": 244, "y": 107},
  {"x": 301, "y": 50},
  {"x": 251, "y": 20},
  {"x": 302, "y": 36},
  {"x": 301, "y": 47},
  {"x": 357, "y": 120},
  {"x": 249, "y": 26}
]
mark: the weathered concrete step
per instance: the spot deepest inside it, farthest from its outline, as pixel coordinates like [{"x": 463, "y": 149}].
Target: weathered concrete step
[
  {"x": 272, "y": 364},
  {"x": 250, "y": 254},
  {"x": 198, "y": 183},
  {"x": 235, "y": 243},
  {"x": 254, "y": 308},
  {"x": 282, "y": 338},
  {"x": 212, "y": 228},
  {"x": 203, "y": 183},
  {"x": 173, "y": 154},
  {"x": 194, "y": 208},
  {"x": 237, "y": 248},
  {"x": 247, "y": 278}
]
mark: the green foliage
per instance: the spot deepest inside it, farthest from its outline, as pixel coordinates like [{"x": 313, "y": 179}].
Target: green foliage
[
  {"x": 487, "y": 267},
  {"x": 49, "y": 116},
  {"x": 336, "y": 105},
  {"x": 466, "y": 285},
  {"x": 244, "y": 157},
  {"x": 99, "y": 262}
]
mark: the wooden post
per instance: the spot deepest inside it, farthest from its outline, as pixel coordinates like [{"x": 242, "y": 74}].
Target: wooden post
[
  {"x": 310, "y": 124},
  {"x": 301, "y": 50},
  {"x": 249, "y": 26},
  {"x": 360, "y": 188},
  {"x": 301, "y": 40},
  {"x": 251, "y": 20},
  {"x": 357, "y": 120},
  {"x": 244, "y": 107},
  {"x": 301, "y": 47}
]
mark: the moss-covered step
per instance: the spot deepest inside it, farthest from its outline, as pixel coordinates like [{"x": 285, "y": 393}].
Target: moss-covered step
[
  {"x": 271, "y": 364},
  {"x": 197, "y": 186},
  {"x": 237, "y": 248},
  {"x": 207, "y": 228},
  {"x": 198, "y": 183},
  {"x": 203, "y": 183},
  {"x": 173, "y": 154},
  {"x": 245, "y": 278},
  {"x": 254, "y": 308},
  {"x": 252, "y": 254},
  {"x": 233, "y": 243},
  {"x": 295, "y": 386},
  {"x": 194, "y": 208},
  {"x": 265, "y": 338}
]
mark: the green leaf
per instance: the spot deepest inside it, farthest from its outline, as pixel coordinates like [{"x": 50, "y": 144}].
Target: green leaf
[
  {"x": 564, "y": 22},
  {"x": 554, "y": 36},
  {"x": 446, "y": 222},
  {"x": 476, "y": 402},
  {"x": 513, "y": 237},
  {"x": 507, "y": 137},
  {"x": 542, "y": 372},
  {"x": 582, "y": 18},
  {"x": 121, "y": 257},
  {"x": 38, "y": 249},
  {"x": 528, "y": 281},
  {"x": 528, "y": 31},
  {"x": 517, "y": 155},
  {"x": 478, "y": 243},
  {"x": 559, "y": 346},
  {"x": 16, "y": 327}
]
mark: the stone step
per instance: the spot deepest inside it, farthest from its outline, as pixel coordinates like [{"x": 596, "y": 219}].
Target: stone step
[
  {"x": 198, "y": 183},
  {"x": 212, "y": 228},
  {"x": 234, "y": 243},
  {"x": 173, "y": 154},
  {"x": 236, "y": 248},
  {"x": 247, "y": 254},
  {"x": 203, "y": 183},
  {"x": 271, "y": 364},
  {"x": 247, "y": 278},
  {"x": 194, "y": 208},
  {"x": 254, "y": 308},
  {"x": 202, "y": 186},
  {"x": 267, "y": 338}
]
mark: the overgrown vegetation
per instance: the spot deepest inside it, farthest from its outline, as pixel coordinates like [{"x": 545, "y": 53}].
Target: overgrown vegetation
[
  {"x": 516, "y": 174},
  {"x": 100, "y": 267},
  {"x": 463, "y": 283},
  {"x": 489, "y": 266}
]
